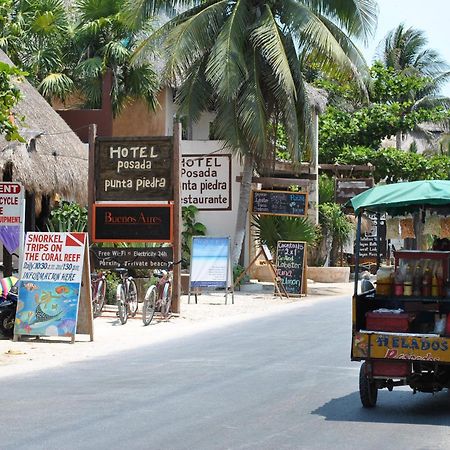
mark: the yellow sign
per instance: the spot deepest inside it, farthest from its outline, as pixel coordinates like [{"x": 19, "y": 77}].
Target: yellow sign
[{"x": 401, "y": 346}]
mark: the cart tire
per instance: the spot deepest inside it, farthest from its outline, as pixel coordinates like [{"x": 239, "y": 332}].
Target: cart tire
[{"x": 368, "y": 391}]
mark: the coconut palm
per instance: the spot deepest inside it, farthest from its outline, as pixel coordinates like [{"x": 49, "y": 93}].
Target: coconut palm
[
  {"x": 405, "y": 50},
  {"x": 67, "y": 54},
  {"x": 244, "y": 58}
]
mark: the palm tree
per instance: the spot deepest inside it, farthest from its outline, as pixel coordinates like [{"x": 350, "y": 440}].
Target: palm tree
[
  {"x": 245, "y": 59},
  {"x": 67, "y": 55},
  {"x": 406, "y": 52}
]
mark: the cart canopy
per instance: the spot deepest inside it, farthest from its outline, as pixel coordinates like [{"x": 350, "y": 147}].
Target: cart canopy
[{"x": 402, "y": 197}]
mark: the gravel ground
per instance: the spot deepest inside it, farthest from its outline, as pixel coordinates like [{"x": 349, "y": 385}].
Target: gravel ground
[{"x": 110, "y": 336}]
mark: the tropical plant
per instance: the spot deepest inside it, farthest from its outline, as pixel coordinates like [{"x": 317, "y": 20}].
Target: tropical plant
[
  {"x": 269, "y": 230},
  {"x": 394, "y": 109},
  {"x": 244, "y": 59},
  {"x": 326, "y": 189},
  {"x": 405, "y": 51},
  {"x": 190, "y": 228},
  {"x": 335, "y": 227},
  {"x": 67, "y": 55},
  {"x": 68, "y": 216},
  {"x": 9, "y": 96}
]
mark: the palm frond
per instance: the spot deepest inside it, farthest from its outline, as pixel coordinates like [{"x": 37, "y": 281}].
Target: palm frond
[
  {"x": 56, "y": 85},
  {"x": 358, "y": 17},
  {"x": 251, "y": 112},
  {"x": 194, "y": 94},
  {"x": 226, "y": 69},
  {"x": 267, "y": 37},
  {"x": 192, "y": 38},
  {"x": 316, "y": 41}
]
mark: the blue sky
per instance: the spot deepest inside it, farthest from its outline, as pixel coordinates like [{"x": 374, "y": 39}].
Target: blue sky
[{"x": 431, "y": 16}]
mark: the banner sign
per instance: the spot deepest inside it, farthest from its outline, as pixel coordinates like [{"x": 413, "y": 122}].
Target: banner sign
[
  {"x": 49, "y": 289},
  {"x": 401, "y": 347},
  {"x": 210, "y": 262},
  {"x": 11, "y": 215},
  {"x": 279, "y": 203},
  {"x": 132, "y": 223},
  {"x": 206, "y": 182},
  {"x": 131, "y": 257},
  {"x": 291, "y": 266},
  {"x": 133, "y": 168}
]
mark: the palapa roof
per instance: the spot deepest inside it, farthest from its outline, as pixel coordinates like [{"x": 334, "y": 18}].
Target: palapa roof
[{"x": 53, "y": 160}]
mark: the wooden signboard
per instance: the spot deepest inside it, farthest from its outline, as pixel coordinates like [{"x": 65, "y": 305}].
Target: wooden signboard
[
  {"x": 132, "y": 223},
  {"x": 347, "y": 188},
  {"x": 291, "y": 265},
  {"x": 279, "y": 203},
  {"x": 131, "y": 257},
  {"x": 54, "y": 289},
  {"x": 133, "y": 168}
]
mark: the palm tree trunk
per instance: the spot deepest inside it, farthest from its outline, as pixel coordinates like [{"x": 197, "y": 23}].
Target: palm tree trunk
[
  {"x": 241, "y": 220},
  {"x": 398, "y": 140}
]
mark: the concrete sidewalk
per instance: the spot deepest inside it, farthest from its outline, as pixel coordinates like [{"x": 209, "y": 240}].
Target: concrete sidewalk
[{"x": 110, "y": 336}]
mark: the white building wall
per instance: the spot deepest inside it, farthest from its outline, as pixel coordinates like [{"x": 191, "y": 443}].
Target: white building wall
[{"x": 200, "y": 129}]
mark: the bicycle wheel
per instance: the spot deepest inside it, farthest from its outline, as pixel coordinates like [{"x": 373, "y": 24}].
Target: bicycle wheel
[
  {"x": 132, "y": 297},
  {"x": 99, "y": 298},
  {"x": 121, "y": 304},
  {"x": 148, "y": 310},
  {"x": 166, "y": 300}
]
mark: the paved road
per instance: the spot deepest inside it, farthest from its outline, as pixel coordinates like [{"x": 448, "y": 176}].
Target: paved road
[{"x": 282, "y": 382}]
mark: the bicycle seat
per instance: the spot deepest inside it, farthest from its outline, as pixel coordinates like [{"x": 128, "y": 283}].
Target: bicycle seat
[
  {"x": 159, "y": 273},
  {"x": 121, "y": 270}
]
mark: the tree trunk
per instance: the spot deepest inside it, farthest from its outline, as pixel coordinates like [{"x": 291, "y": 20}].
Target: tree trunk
[
  {"x": 241, "y": 220},
  {"x": 398, "y": 140}
]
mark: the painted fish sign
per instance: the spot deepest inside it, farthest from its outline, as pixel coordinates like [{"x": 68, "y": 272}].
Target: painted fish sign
[{"x": 53, "y": 268}]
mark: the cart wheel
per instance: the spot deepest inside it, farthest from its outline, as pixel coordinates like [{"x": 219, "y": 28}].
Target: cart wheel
[{"x": 368, "y": 391}]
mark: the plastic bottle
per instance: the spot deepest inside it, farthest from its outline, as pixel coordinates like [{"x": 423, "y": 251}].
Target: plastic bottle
[
  {"x": 398, "y": 282},
  {"x": 408, "y": 282},
  {"x": 384, "y": 280},
  {"x": 417, "y": 281},
  {"x": 426, "y": 283},
  {"x": 434, "y": 286}
]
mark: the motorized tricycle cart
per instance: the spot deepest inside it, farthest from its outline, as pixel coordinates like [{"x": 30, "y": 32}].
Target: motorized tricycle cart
[{"x": 401, "y": 328}]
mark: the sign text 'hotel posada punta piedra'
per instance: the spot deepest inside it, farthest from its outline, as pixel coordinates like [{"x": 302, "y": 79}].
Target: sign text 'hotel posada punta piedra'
[{"x": 134, "y": 168}]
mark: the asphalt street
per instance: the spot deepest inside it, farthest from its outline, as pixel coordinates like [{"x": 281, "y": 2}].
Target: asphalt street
[{"x": 284, "y": 381}]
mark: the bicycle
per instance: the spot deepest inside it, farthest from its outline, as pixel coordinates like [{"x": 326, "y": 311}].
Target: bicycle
[
  {"x": 126, "y": 296},
  {"x": 98, "y": 288},
  {"x": 158, "y": 296}
]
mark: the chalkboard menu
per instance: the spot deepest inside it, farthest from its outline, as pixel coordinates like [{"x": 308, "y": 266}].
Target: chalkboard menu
[
  {"x": 133, "y": 168},
  {"x": 291, "y": 266},
  {"x": 132, "y": 223},
  {"x": 279, "y": 203},
  {"x": 368, "y": 241}
]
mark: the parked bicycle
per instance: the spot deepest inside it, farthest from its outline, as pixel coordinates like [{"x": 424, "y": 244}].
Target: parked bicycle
[
  {"x": 158, "y": 296},
  {"x": 126, "y": 295},
  {"x": 98, "y": 288}
]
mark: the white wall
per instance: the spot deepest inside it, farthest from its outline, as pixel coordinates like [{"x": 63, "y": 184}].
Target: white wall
[{"x": 218, "y": 223}]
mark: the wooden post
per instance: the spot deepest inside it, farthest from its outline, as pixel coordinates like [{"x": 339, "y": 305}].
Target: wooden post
[
  {"x": 91, "y": 177},
  {"x": 177, "y": 224}
]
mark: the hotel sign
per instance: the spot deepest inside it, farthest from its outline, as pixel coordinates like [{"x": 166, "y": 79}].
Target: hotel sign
[{"x": 133, "y": 169}]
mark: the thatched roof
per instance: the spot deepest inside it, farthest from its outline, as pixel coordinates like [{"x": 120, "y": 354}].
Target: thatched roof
[{"x": 54, "y": 160}]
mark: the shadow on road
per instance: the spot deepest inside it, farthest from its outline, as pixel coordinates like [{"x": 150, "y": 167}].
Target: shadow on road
[{"x": 392, "y": 407}]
